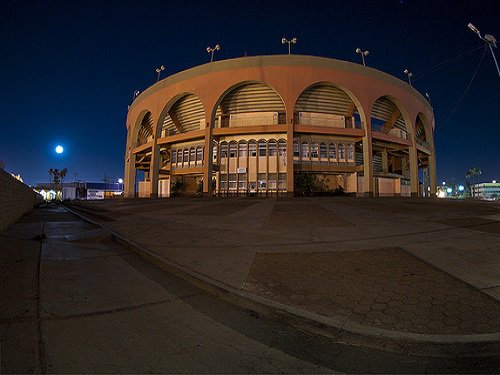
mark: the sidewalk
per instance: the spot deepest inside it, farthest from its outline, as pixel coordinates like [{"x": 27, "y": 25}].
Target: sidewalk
[{"x": 419, "y": 270}]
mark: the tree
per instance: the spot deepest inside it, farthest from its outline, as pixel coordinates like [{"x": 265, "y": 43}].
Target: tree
[{"x": 471, "y": 173}]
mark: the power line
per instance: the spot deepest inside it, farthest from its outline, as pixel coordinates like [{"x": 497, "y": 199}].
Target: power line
[
  {"x": 443, "y": 64},
  {"x": 465, "y": 92}
]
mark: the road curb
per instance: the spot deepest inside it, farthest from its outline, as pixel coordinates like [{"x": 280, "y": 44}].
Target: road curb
[{"x": 337, "y": 328}]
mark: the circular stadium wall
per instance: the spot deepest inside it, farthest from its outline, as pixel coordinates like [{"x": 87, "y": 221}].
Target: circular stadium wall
[{"x": 258, "y": 125}]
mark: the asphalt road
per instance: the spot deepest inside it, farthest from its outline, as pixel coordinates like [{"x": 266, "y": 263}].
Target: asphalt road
[{"x": 72, "y": 300}]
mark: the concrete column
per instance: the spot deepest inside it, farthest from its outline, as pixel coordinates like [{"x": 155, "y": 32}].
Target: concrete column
[
  {"x": 129, "y": 176},
  {"x": 289, "y": 154},
  {"x": 425, "y": 176},
  {"x": 208, "y": 162},
  {"x": 367, "y": 161},
  {"x": 153, "y": 171},
  {"x": 432, "y": 173},
  {"x": 413, "y": 171},
  {"x": 385, "y": 163}
]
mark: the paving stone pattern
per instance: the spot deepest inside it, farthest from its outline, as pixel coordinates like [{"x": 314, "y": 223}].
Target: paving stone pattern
[{"x": 386, "y": 288}]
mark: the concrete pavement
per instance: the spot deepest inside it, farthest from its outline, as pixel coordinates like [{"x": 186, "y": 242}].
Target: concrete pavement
[{"x": 419, "y": 270}]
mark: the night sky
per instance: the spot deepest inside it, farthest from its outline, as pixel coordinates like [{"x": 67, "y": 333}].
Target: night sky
[{"x": 69, "y": 68}]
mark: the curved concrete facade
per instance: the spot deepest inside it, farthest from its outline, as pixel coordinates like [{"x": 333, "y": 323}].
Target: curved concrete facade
[{"x": 256, "y": 124}]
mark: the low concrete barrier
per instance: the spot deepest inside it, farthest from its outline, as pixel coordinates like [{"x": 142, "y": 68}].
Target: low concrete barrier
[{"x": 16, "y": 199}]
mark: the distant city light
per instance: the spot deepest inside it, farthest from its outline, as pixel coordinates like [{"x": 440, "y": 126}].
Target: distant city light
[
  {"x": 444, "y": 183},
  {"x": 494, "y": 181},
  {"x": 441, "y": 194},
  {"x": 59, "y": 149},
  {"x": 449, "y": 190},
  {"x": 461, "y": 188},
  {"x": 120, "y": 180}
]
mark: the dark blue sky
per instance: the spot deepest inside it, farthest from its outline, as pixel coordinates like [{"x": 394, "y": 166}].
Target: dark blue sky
[{"x": 69, "y": 68}]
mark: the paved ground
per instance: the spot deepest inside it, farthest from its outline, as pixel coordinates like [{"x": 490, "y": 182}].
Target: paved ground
[
  {"x": 77, "y": 302},
  {"x": 411, "y": 265}
]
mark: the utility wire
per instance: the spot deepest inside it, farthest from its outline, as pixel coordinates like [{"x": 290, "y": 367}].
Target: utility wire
[
  {"x": 465, "y": 92},
  {"x": 443, "y": 64}
]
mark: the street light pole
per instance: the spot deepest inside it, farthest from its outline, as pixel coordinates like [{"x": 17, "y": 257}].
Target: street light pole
[
  {"x": 212, "y": 50},
  {"x": 409, "y": 75},
  {"x": 490, "y": 41},
  {"x": 159, "y": 70},
  {"x": 285, "y": 41},
  {"x": 363, "y": 54}
]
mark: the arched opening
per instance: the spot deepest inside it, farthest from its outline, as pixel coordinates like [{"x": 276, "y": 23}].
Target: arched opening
[
  {"x": 421, "y": 135},
  {"x": 324, "y": 104},
  {"x": 145, "y": 130},
  {"x": 386, "y": 117},
  {"x": 250, "y": 104},
  {"x": 184, "y": 115}
]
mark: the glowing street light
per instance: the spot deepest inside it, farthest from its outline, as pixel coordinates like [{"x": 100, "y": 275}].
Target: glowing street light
[
  {"x": 490, "y": 41},
  {"x": 285, "y": 41},
  {"x": 136, "y": 93},
  {"x": 59, "y": 149},
  {"x": 159, "y": 70},
  {"x": 212, "y": 50},
  {"x": 409, "y": 75},
  {"x": 363, "y": 54}
]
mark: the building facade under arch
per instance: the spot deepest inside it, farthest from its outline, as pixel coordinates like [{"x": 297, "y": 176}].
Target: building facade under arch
[{"x": 254, "y": 125}]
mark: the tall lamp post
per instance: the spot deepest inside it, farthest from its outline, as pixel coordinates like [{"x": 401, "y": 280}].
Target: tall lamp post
[
  {"x": 490, "y": 41},
  {"x": 363, "y": 54},
  {"x": 212, "y": 50},
  {"x": 285, "y": 41},
  {"x": 159, "y": 70},
  {"x": 409, "y": 75}
]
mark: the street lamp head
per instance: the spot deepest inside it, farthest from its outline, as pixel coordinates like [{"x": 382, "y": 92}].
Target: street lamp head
[
  {"x": 358, "y": 50},
  {"x": 406, "y": 71},
  {"x": 209, "y": 49},
  {"x": 283, "y": 40},
  {"x": 490, "y": 39},
  {"x": 366, "y": 53},
  {"x": 294, "y": 40},
  {"x": 217, "y": 47},
  {"x": 473, "y": 28}
]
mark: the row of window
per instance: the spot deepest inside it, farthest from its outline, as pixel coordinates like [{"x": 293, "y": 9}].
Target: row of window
[
  {"x": 302, "y": 151},
  {"x": 323, "y": 152},
  {"x": 188, "y": 157},
  {"x": 251, "y": 148},
  {"x": 263, "y": 182}
]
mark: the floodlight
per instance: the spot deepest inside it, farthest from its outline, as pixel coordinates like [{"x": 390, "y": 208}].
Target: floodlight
[{"x": 473, "y": 28}]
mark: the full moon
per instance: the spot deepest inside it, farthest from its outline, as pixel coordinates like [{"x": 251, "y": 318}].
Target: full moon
[{"x": 59, "y": 149}]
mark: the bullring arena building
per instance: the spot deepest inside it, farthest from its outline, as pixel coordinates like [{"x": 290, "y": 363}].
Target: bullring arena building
[{"x": 258, "y": 125}]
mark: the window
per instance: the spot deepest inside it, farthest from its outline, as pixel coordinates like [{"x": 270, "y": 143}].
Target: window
[
  {"x": 192, "y": 156},
  {"x": 304, "y": 151},
  {"x": 174, "y": 157},
  {"x": 350, "y": 152},
  {"x": 252, "y": 149},
  {"x": 323, "y": 152},
  {"x": 199, "y": 155},
  {"x": 282, "y": 151},
  {"x": 341, "y": 152},
  {"x": 179, "y": 157},
  {"x": 332, "y": 152},
  {"x": 262, "y": 148},
  {"x": 242, "y": 181},
  {"x": 261, "y": 177},
  {"x": 314, "y": 151},
  {"x": 223, "y": 182},
  {"x": 186, "y": 157},
  {"x": 296, "y": 151},
  {"x": 223, "y": 150},
  {"x": 242, "y": 150},
  {"x": 272, "y": 148},
  {"x": 233, "y": 148},
  {"x": 271, "y": 181},
  {"x": 214, "y": 152},
  {"x": 232, "y": 181},
  {"x": 282, "y": 181}
]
